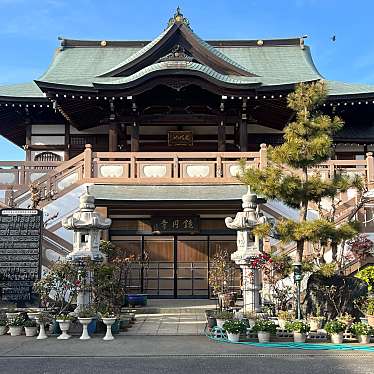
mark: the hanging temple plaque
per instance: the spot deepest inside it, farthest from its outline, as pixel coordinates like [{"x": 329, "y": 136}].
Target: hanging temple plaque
[{"x": 20, "y": 253}]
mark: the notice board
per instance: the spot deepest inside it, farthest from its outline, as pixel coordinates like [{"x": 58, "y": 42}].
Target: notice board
[{"x": 20, "y": 253}]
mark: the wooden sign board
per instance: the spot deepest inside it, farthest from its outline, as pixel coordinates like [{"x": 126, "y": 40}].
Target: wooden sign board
[
  {"x": 179, "y": 224},
  {"x": 180, "y": 138},
  {"x": 20, "y": 253}
]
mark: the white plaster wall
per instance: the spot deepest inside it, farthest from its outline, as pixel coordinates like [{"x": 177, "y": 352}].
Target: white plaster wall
[
  {"x": 47, "y": 129},
  {"x": 47, "y": 139}
]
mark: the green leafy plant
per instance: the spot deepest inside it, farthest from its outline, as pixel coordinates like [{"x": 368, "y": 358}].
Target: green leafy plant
[
  {"x": 367, "y": 275},
  {"x": 3, "y": 320},
  {"x": 234, "y": 326},
  {"x": 16, "y": 321},
  {"x": 87, "y": 312},
  {"x": 224, "y": 314},
  {"x": 265, "y": 325},
  {"x": 335, "y": 327},
  {"x": 370, "y": 307},
  {"x": 327, "y": 270},
  {"x": 297, "y": 326},
  {"x": 360, "y": 328},
  {"x": 30, "y": 323},
  {"x": 65, "y": 317},
  {"x": 44, "y": 317}
]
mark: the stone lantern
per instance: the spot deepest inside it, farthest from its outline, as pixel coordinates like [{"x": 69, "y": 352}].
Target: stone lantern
[
  {"x": 87, "y": 225},
  {"x": 248, "y": 248}
]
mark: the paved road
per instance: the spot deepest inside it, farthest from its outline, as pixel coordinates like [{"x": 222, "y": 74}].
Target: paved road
[
  {"x": 181, "y": 365},
  {"x": 169, "y": 354}
]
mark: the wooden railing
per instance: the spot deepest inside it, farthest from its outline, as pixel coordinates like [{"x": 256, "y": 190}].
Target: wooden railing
[{"x": 152, "y": 168}]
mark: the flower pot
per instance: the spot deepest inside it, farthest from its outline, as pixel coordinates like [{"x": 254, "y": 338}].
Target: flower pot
[
  {"x": 64, "y": 326},
  {"x": 263, "y": 337},
  {"x": 31, "y": 331},
  {"x": 11, "y": 315},
  {"x": 42, "y": 334},
  {"x": 299, "y": 337},
  {"x": 91, "y": 328},
  {"x": 370, "y": 320},
  {"x": 220, "y": 322},
  {"x": 15, "y": 330},
  {"x": 211, "y": 322},
  {"x": 363, "y": 339},
  {"x": 33, "y": 315},
  {"x": 3, "y": 330},
  {"x": 315, "y": 324},
  {"x": 337, "y": 338},
  {"x": 282, "y": 323},
  {"x": 109, "y": 322},
  {"x": 116, "y": 327},
  {"x": 233, "y": 338},
  {"x": 85, "y": 322}
]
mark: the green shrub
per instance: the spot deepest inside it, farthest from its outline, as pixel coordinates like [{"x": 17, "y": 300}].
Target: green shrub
[
  {"x": 297, "y": 326},
  {"x": 370, "y": 307},
  {"x": 335, "y": 327},
  {"x": 16, "y": 321},
  {"x": 234, "y": 326},
  {"x": 30, "y": 323},
  {"x": 360, "y": 328},
  {"x": 367, "y": 275},
  {"x": 265, "y": 325}
]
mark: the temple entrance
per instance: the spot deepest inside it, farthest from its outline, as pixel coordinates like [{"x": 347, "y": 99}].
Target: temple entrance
[{"x": 178, "y": 266}]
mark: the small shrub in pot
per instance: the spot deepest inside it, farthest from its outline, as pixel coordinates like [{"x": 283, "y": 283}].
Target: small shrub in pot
[
  {"x": 16, "y": 325},
  {"x": 30, "y": 327},
  {"x": 362, "y": 331},
  {"x": 299, "y": 329},
  {"x": 223, "y": 316},
  {"x": 233, "y": 329},
  {"x": 336, "y": 328},
  {"x": 264, "y": 328}
]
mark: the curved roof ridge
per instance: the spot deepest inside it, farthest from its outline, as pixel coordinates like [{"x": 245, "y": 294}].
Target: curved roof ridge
[{"x": 177, "y": 65}]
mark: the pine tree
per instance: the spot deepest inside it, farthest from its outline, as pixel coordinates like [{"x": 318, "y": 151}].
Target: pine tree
[{"x": 288, "y": 178}]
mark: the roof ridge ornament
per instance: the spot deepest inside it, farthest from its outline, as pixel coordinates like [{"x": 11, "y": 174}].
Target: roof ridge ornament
[
  {"x": 178, "y": 53},
  {"x": 179, "y": 18}
]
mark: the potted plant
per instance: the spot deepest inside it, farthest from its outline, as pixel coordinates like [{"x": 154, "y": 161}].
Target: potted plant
[
  {"x": 222, "y": 316},
  {"x": 109, "y": 318},
  {"x": 33, "y": 313},
  {"x": 30, "y": 327},
  {"x": 233, "y": 329},
  {"x": 362, "y": 331},
  {"x": 12, "y": 313},
  {"x": 42, "y": 319},
  {"x": 264, "y": 329},
  {"x": 85, "y": 316},
  {"x": 299, "y": 329},
  {"x": 64, "y": 321},
  {"x": 283, "y": 317},
  {"x": 3, "y": 324},
  {"x": 346, "y": 318},
  {"x": 250, "y": 318},
  {"x": 220, "y": 274},
  {"x": 16, "y": 325},
  {"x": 336, "y": 328},
  {"x": 315, "y": 322}
]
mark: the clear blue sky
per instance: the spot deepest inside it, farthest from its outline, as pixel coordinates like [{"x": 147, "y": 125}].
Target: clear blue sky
[{"x": 29, "y": 30}]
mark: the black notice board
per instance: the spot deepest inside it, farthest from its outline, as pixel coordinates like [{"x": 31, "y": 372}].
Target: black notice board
[{"x": 20, "y": 253}]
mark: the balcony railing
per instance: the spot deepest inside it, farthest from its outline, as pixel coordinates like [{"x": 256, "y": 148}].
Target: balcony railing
[{"x": 153, "y": 168}]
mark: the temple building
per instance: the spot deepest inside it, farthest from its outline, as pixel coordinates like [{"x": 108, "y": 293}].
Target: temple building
[{"x": 156, "y": 129}]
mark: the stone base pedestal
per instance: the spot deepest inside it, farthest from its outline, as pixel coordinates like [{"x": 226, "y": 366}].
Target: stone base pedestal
[{"x": 251, "y": 289}]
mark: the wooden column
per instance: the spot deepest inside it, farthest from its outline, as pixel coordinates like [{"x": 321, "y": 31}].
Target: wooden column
[
  {"x": 113, "y": 137},
  {"x": 221, "y": 137},
  {"x": 135, "y": 137},
  {"x": 67, "y": 141},
  {"x": 243, "y": 135},
  {"x": 28, "y": 142}
]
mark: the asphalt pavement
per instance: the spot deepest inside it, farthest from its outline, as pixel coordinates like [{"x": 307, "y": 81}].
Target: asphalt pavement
[{"x": 169, "y": 354}]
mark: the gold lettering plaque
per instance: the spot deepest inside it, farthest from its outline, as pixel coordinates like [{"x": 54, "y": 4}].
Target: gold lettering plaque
[{"x": 180, "y": 138}]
